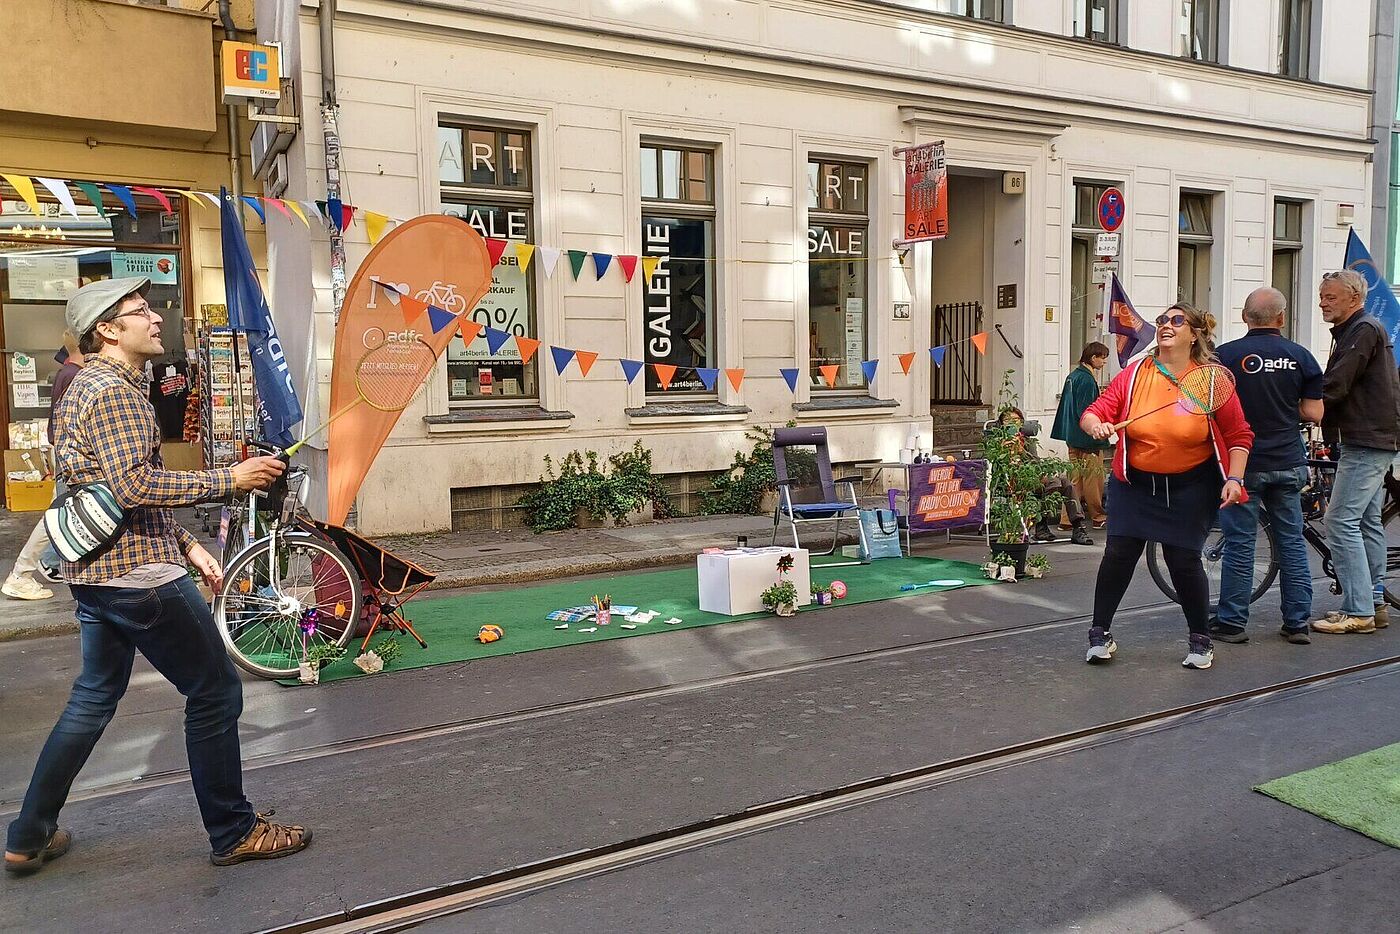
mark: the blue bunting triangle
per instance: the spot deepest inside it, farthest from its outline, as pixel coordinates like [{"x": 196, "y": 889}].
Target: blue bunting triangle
[
  {"x": 791, "y": 376},
  {"x": 936, "y": 354},
  {"x": 257, "y": 208},
  {"x": 495, "y": 340},
  {"x": 708, "y": 375},
  {"x": 562, "y": 356},
  {"x": 124, "y": 195},
  {"x": 868, "y": 367},
  {"x": 439, "y": 319},
  {"x": 630, "y": 369},
  {"x": 600, "y": 262},
  {"x": 337, "y": 216}
]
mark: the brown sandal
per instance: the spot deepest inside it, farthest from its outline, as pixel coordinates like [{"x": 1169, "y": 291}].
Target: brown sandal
[
  {"x": 58, "y": 845},
  {"x": 265, "y": 841}
]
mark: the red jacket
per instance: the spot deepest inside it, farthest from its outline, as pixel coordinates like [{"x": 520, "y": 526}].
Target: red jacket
[{"x": 1228, "y": 428}]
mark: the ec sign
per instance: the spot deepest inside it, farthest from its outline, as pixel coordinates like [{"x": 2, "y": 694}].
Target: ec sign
[{"x": 251, "y": 72}]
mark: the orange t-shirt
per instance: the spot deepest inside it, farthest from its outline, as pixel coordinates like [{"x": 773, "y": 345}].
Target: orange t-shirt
[{"x": 1169, "y": 441}]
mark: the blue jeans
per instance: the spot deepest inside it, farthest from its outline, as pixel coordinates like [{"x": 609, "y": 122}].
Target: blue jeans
[
  {"x": 171, "y": 625},
  {"x": 1354, "y": 530},
  {"x": 1278, "y": 493}
]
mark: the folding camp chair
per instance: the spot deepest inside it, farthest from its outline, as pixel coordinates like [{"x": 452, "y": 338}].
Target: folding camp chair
[
  {"x": 389, "y": 580},
  {"x": 831, "y": 507}
]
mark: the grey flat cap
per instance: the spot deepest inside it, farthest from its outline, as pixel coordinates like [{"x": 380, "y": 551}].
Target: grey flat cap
[{"x": 93, "y": 300}]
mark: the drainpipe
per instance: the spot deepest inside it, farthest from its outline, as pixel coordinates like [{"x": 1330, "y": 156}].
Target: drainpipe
[
  {"x": 235, "y": 154},
  {"x": 330, "y": 133}
]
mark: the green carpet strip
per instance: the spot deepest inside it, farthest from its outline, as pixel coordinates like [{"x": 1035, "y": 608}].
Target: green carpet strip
[{"x": 1361, "y": 793}]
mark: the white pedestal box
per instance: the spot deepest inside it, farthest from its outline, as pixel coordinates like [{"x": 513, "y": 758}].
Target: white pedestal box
[{"x": 731, "y": 581}]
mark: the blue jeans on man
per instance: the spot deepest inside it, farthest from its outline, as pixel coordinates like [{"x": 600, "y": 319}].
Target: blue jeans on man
[
  {"x": 1278, "y": 493},
  {"x": 171, "y": 625},
  {"x": 1354, "y": 530}
]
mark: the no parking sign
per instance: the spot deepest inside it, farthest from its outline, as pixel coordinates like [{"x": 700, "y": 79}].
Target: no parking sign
[{"x": 1112, "y": 209}]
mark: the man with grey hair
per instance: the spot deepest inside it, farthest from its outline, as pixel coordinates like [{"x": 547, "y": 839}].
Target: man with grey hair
[
  {"x": 1279, "y": 382},
  {"x": 1361, "y": 400}
]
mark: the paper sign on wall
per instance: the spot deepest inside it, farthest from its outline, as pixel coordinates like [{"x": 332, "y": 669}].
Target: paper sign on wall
[
  {"x": 26, "y": 395},
  {"x": 22, "y": 368},
  {"x": 45, "y": 278}
]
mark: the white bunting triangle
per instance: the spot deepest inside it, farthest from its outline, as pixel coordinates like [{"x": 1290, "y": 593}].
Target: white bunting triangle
[
  {"x": 59, "y": 189},
  {"x": 213, "y": 198},
  {"x": 549, "y": 258}
]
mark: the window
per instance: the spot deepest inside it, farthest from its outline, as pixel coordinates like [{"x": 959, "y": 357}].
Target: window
[
  {"x": 678, "y": 227},
  {"x": 1085, "y": 297},
  {"x": 994, "y": 10},
  {"x": 487, "y": 181},
  {"x": 838, "y": 240},
  {"x": 1287, "y": 256},
  {"x": 1295, "y": 38},
  {"x": 1198, "y": 31},
  {"x": 1193, "y": 250},
  {"x": 1098, "y": 20}
]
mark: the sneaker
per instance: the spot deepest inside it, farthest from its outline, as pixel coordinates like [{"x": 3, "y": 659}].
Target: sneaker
[
  {"x": 1230, "y": 634},
  {"x": 1345, "y": 624},
  {"x": 24, "y": 587},
  {"x": 1043, "y": 534},
  {"x": 1101, "y": 647},
  {"x": 1080, "y": 536},
  {"x": 265, "y": 841},
  {"x": 1200, "y": 655},
  {"x": 50, "y": 575},
  {"x": 1382, "y": 616},
  {"x": 1295, "y": 636}
]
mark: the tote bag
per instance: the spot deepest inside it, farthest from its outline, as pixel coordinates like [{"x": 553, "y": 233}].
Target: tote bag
[{"x": 881, "y": 533}]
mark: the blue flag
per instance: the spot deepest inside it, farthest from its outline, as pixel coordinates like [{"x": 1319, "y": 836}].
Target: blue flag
[
  {"x": 790, "y": 377},
  {"x": 630, "y": 368},
  {"x": 278, "y": 408},
  {"x": 1380, "y": 299},
  {"x": 868, "y": 367},
  {"x": 936, "y": 354},
  {"x": 1133, "y": 333},
  {"x": 562, "y": 356},
  {"x": 496, "y": 339},
  {"x": 707, "y": 375}
]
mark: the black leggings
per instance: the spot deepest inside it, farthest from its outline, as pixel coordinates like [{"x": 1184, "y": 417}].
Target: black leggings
[{"x": 1120, "y": 558}]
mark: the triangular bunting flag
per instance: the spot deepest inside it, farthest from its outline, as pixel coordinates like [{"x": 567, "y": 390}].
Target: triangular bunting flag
[
  {"x": 280, "y": 205},
  {"x": 600, "y": 263},
  {"x": 562, "y": 356},
  {"x": 332, "y": 207},
  {"x": 790, "y": 376},
  {"x": 159, "y": 196},
  {"x": 586, "y": 359},
  {"x": 665, "y": 372},
  {"x": 576, "y": 258},
  {"x": 523, "y": 252},
  {"x": 412, "y": 308},
  {"x": 25, "y": 187},
  {"x": 59, "y": 189},
  {"x": 494, "y": 249},
  {"x": 347, "y": 215},
  {"x": 906, "y": 360},
  {"x": 829, "y": 373},
  {"x": 629, "y": 266},
  {"x": 469, "y": 330},
  {"x": 295, "y": 207},
  {"x": 123, "y": 194},
  {"x": 191, "y": 196},
  {"x": 496, "y": 339},
  {"x": 212, "y": 198},
  {"x": 630, "y": 369},
  {"x": 549, "y": 258},
  {"x": 439, "y": 319},
  {"x": 868, "y": 367},
  {"x": 980, "y": 342},
  {"x": 258, "y": 208},
  {"x": 95, "y": 196},
  {"x": 736, "y": 377},
  {"x": 649, "y": 267},
  {"x": 936, "y": 355},
  {"x": 708, "y": 376},
  {"x": 317, "y": 208},
  {"x": 527, "y": 347},
  {"x": 374, "y": 225}
]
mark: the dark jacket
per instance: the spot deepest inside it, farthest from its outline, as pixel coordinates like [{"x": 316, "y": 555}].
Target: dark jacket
[
  {"x": 61, "y": 379},
  {"x": 1081, "y": 389},
  {"x": 1361, "y": 386}
]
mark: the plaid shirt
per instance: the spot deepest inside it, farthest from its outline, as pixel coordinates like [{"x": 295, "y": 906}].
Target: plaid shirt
[{"x": 106, "y": 430}]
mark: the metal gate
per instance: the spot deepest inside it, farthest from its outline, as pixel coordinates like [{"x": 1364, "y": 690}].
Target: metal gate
[{"x": 959, "y": 380}]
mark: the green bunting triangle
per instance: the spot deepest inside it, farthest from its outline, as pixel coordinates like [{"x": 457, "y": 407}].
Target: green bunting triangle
[{"x": 576, "y": 258}]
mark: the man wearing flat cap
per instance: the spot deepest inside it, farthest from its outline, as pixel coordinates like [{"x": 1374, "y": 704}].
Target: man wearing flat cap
[{"x": 136, "y": 594}]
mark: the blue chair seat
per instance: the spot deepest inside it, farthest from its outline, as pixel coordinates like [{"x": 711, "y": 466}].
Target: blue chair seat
[{"x": 820, "y": 510}]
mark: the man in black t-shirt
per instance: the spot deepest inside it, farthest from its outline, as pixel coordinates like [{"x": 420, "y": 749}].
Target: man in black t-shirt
[{"x": 1279, "y": 383}]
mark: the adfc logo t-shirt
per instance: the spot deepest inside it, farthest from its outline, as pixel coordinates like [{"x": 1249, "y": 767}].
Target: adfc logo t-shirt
[{"x": 1272, "y": 374}]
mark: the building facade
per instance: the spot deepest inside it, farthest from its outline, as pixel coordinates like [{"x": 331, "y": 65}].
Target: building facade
[{"x": 754, "y": 145}]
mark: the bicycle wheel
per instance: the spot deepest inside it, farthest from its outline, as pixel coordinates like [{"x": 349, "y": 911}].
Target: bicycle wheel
[
  {"x": 280, "y": 600},
  {"x": 1265, "y": 564}
]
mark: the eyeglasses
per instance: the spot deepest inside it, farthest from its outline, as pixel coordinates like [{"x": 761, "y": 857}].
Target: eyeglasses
[
  {"x": 145, "y": 311},
  {"x": 1175, "y": 321}
]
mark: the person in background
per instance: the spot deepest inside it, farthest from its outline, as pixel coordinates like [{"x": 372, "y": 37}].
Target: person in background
[
  {"x": 1172, "y": 472},
  {"x": 1278, "y": 382},
  {"x": 37, "y": 556},
  {"x": 1361, "y": 415},
  {"x": 1012, "y": 416},
  {"x": 1085, "y": 454}
]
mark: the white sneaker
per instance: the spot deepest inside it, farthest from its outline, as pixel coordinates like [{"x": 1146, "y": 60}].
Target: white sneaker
[
  {"x": 23, "y": 587},
  {"x": 1200, "y": 655},
  {"x": 1101, "y": 647}
]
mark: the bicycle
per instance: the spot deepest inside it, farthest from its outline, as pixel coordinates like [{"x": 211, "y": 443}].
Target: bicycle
[
  {"x": 1317, "y": 493},
  {"x": 286, "y": 590}
]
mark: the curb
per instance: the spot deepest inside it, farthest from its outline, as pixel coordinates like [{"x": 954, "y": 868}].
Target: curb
[{"x": 37, "y": 632}]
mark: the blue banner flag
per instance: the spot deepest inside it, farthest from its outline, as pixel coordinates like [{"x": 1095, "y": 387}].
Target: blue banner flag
[
  {"x": 278, "y": 408},
  {"x": 790, "y": 377},
  {"x": 1380, "y": 299},
  {"x": 936, "y": 354},
  {"x": 630, "y": 369},
  {"x": 868, "y": 367},
  {"x": 562, "y": 356},
  {"x": 1133, "y": 333},
  {"x": 496, "y": 339}
]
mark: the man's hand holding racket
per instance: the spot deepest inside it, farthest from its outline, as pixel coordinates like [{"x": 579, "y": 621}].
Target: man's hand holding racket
[{"x": 257, "y": 473}]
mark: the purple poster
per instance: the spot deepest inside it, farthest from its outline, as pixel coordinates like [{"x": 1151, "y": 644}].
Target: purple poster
[{"x": 946, "y": 496}]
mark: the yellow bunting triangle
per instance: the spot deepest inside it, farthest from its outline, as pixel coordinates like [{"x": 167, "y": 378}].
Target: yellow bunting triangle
[
  {"x": 25, "y": 186},
  {"x": 524, "y": 252},
  {"x": 649, "y": 267},
  {"x": 375, "y": 224},
  {"x": 291, "y": 206},
  {"x": 191, "y": 196}
]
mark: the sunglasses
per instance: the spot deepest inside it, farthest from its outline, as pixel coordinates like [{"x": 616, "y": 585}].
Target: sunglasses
[{"x": 1175, "y": 321}]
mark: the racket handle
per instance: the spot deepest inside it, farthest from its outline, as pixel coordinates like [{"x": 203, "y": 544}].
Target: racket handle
[{"x": 298, "y": 445}]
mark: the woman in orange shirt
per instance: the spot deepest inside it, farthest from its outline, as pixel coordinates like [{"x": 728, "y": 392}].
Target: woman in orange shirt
[{"x": 1172, "y": 472}]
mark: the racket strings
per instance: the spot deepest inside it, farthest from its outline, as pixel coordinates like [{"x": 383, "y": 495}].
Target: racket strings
[{"x": 1206, "y": 389}]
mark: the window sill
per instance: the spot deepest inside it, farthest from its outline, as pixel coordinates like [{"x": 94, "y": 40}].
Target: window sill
[
  {"x": 844, "y": 407},
  {"x": 484, "y": 420},
  {"x": 686, "y": 413}
]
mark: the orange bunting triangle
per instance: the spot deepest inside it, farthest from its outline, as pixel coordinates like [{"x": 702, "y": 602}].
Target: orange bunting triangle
[
  {"x": 527, "y": 347},
  {"x": 585, "y": 360},
  {"x": 469, "y": 330},
  {"x": 906, "y": 360},
  {"x": 736, "y": 378},
  {"x": 829, "y": 373},
  {"x": 665, "y": 372},
  {"x": 979, "y": 341},
  {"x": 412, "y": 308}
]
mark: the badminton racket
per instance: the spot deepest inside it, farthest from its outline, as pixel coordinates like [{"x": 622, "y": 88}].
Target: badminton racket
[
  {"x": 388, "y": 378},
  {"x": 1203, "y": 391}
]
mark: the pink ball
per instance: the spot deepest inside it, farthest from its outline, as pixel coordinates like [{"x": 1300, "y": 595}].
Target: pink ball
[{"x": 838, "y": 589}]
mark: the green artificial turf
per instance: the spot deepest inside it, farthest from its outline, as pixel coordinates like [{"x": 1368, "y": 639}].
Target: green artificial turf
[
  {"x": 450, "y": 624},
  {"x": 1361, "y": 793}
]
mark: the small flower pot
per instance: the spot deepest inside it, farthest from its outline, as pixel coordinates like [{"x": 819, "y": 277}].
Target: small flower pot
[
  {"x": 309, "y": 673},
  {"x": 1035, "y": 571},
  {"x": 786, "y": 609},
  {"x": 1016, "y": 551},
  {"x": 822, "y": 599}
]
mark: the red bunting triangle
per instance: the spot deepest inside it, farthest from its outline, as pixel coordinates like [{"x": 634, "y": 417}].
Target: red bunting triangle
[
  {"x": 469, "y": 330},
  {"x": 736, "y": 377},
  {"x": 665, "y": 372},
  {"x": 629, "y": 266},
  {"x": 527, "y": 347},
  {"x": 585, "y": 360},
  {"x": 495, "y": 248},
  {"x": 829, "y": 373},
  {"x": 347, "y": 214},
  {"x": 412, "y": 308},
  {"x": 906, "y": 360},
  {"x": 979, "y": 341}
]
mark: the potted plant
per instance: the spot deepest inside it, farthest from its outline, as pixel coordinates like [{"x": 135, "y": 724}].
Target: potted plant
[
  {"x": 317, "y": 657},
  {"x": 376, "y": 658},
  {"x": 781, "y": 596},
  {"x": 1037, "y": 565},
  {"x": 821, "y": 595},
  {"x": 1001, "y": 567}
]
